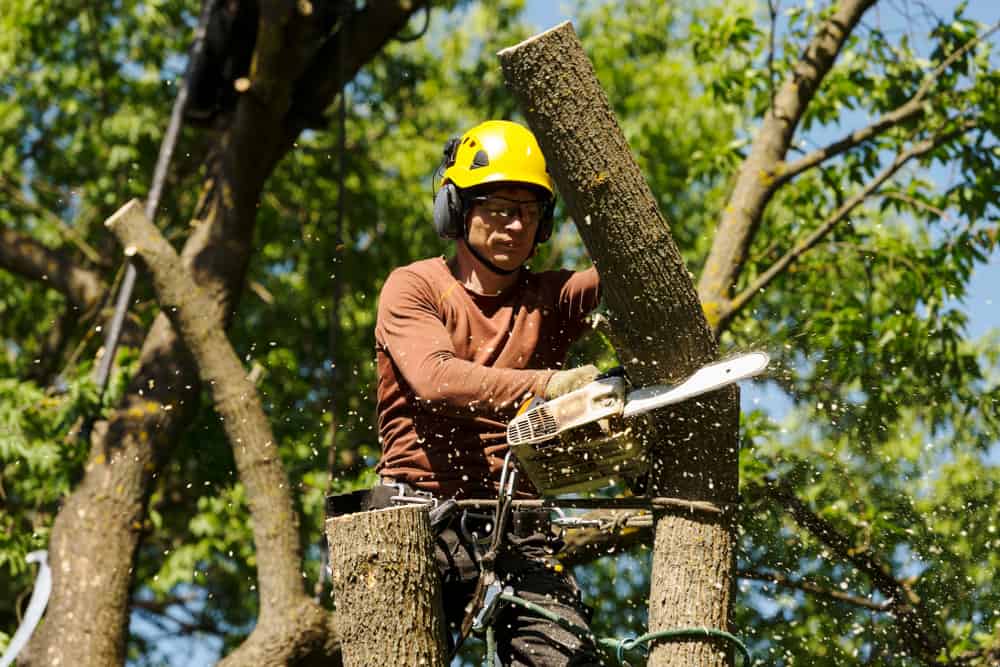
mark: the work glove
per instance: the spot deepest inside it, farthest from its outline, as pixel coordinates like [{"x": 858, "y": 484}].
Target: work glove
[{"x": 563, "y": 382}]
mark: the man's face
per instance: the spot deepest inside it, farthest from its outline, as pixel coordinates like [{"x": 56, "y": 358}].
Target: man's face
[{"x": 503, "y": 224}]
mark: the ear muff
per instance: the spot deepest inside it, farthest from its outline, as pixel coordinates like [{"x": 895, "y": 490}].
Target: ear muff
[
  {"x": 449, "y": 212},
  {"x": 545, "y": 222}
]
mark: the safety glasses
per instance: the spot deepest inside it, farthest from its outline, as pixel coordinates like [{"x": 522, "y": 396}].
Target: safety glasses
[{"x": 502, "y": 210}]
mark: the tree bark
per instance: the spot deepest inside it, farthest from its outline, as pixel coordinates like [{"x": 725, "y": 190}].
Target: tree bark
[
  {"x": 96, "y": 534},
  {"x": 293, "y": 624},
  {"x": 659, "y": 331},
  {"x": 386, "y": 588}
]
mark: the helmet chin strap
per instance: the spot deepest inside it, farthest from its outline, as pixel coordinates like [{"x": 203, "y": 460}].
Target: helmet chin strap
[{"x": 489, "y": 265}]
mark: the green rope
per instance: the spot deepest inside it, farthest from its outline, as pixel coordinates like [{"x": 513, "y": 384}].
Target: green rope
[
  {"x": 618, "y": 647},
  {"x": 581, "y": 632},
  {"x": 491, "y": 648}
]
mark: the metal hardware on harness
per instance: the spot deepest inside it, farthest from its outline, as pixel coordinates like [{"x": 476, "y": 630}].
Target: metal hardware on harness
[
  {"x": 564, "y": 521},
  {"x": 487, "y": 575},
  {"x": 491, "y": 606},
  {"x": 507, "y": 471},
  {"x": 472, "y": 536},
  {"x": 416, "y": 496}
]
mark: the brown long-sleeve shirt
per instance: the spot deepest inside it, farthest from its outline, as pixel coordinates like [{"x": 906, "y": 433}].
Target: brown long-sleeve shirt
[{"x": 454, "y": 365}]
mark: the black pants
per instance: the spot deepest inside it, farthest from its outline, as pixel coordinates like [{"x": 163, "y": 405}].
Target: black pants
[{"x": 526, "y": 564}]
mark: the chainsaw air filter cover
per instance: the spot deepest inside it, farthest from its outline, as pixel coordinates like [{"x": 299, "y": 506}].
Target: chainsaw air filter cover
[{"x": 585, "y": 458}]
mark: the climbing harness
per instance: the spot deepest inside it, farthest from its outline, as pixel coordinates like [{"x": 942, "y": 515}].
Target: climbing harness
[{"x": 491, "y": 596}]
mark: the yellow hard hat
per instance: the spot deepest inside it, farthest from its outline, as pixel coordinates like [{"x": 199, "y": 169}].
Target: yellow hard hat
[{"x": 497, "y": 151}]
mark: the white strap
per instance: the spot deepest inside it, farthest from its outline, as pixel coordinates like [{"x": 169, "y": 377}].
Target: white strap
[{"x": 39, "y": 599}]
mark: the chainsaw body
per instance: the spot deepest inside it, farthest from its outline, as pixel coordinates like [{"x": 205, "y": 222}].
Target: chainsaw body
[
  {"x": 577, "y": 442},
  {"x": 590, "y": 437}
]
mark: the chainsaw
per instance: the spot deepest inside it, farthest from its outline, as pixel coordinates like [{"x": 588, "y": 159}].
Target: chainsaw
[{"x": 590, "y": 438}]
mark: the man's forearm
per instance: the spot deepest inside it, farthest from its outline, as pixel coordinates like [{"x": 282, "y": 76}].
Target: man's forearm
[{"x": 454, "y": 386}]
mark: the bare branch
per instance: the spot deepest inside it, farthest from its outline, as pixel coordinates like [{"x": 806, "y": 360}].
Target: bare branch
[
  {"x": 286, "y": 611},
  {"x": 728, "y": 310},
  {"x": 754, "y": 185},
  {"x": 17, "y": 195},
  {"x": 912, "y": 108},
  {"x": 157, "y": 611},
  {"x": 366, "y": 32},
  {"x": 814, "y": 589},
  {"x": 24, "y": 256}
]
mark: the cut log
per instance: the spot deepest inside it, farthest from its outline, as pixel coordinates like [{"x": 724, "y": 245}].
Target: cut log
[
  {"x": 386, "y": 588},
  {"x": 658, "y": 327}
]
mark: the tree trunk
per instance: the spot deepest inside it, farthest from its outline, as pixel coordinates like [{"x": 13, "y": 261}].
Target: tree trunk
[
  {"x": 96, "y": 534},
  {"x": 658, "y": 327},
  {"x": 97, "y": 531},
  {"x": 386, "y": 588}
]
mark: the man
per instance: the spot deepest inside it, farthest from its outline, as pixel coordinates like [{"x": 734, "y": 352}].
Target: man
[{"x": 460, "y": 344}]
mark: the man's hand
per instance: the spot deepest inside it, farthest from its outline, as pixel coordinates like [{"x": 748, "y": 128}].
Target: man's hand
[{"x": 563, "y": 382}]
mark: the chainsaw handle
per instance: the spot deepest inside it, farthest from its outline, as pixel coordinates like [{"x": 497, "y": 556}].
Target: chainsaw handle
[{"x": 616, "y": 372}]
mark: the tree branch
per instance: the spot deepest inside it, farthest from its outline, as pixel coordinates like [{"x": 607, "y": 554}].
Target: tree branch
[
  {"x": 367, "y": 32},
  {"x": 729, "y": 309},
  {"x": 916, "y": 203},
  {"x": 24, "y": 256},
  {"x": 157, "y": 612},
  {"x": 918, "y": 631},
  {"x": 14, "y": 192},
  {"x": 291, "y": 624},
  {"x": 754, "y": 185},
  {"x": 814, "y": 589},
  {"x": 910, "y": 109}
]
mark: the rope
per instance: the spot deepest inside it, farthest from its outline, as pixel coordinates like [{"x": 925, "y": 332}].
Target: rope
[
  {"x": 618, "y": 647},
  {"x": 36, "y": 607},
  {"x": 491, "y": 648},
  {"x": 487, "y": 575}
]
